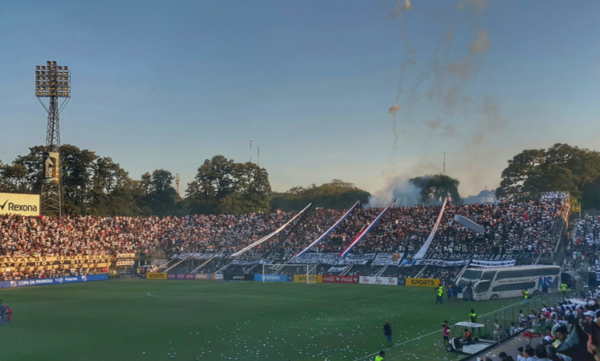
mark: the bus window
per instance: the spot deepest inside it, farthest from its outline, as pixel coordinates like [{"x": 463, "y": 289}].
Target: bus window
[
  {"x": 488, "y": 275},
  {"x": 482, "y": 286},
  {"x": 472, "y": 274}
]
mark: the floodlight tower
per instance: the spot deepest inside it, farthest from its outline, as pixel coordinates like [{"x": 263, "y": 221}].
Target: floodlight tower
[{"x": 52, "y": 81}]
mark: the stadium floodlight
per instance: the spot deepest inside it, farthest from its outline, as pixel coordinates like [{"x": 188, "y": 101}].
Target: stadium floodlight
[
  {"x": 52, "y": 81},
  {"x": 53, "y": 78}
]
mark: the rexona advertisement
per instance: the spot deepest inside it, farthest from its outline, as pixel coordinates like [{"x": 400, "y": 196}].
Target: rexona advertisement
[
  {"x": 422, "y": 282},
  {"x": 313, "y": 278},
  {"x": 379, "y": 281},
  {"x": 53, "y": 281},
  {"x": 20, "y": 204}
]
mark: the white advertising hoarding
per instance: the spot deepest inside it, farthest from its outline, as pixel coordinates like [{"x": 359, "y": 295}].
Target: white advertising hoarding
[{"x": 379, "y": 281}]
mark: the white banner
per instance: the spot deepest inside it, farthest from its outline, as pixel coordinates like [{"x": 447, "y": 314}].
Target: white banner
[
  {"x": 267, "y": 237},
  {"x": 333, "y": 259},
  {"x": 427, "y": 243},
  {"x": 441, "y": 262},
  {"x": 125, "y": 263},
  {"x": 126, "y": 255},
  {"x": 379, "y": 281},
  {"x": 492, "y": 264},
  {"x": 337, "y": 269},
  {"x": 387, "y": 259},
  {"x": 20, "y": 204}
]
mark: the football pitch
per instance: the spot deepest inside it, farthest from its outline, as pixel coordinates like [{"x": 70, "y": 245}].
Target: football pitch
[{"x": 134, "y": 319}]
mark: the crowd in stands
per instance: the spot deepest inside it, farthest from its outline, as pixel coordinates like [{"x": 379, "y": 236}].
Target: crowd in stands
[
  {"x": 584, "y": 250},
  {"x": 554, "y": 322},
  {"x": 510, "y": 227}
]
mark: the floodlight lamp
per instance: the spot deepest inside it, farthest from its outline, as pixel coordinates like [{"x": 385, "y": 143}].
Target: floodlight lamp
[
  {"x": 37, "y": 67},
  {"x": 66, "y": 67},
  {"x": 59, "y": 67},
  {"x": 53, "y": 63}
]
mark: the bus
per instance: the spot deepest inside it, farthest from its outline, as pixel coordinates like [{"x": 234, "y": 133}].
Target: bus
[{"x": 506, "y": 282}]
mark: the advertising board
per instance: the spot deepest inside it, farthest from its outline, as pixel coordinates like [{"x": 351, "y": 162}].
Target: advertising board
[
  {"x": 422, "y": 282},
  {"x": 379, "y": 281},
  {"x": 204, "y": 276},
  {"x": 20, "y": 204},
  {"x": 53, "y": 281},
  {"x": 270, "y": 278},
  {"x": 156, "y": 276},
  {"x": 313, "y": 278},
  {"x": 341, "y": 279},
  {"x": 217, "y": 277},
  {"x": 238, "y": 277},
  {"x": 52, "y": 168},
  {"x": 55, "y": 262}
]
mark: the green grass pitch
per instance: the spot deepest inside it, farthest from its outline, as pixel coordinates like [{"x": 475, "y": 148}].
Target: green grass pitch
[{"x": 133, "y": 319}]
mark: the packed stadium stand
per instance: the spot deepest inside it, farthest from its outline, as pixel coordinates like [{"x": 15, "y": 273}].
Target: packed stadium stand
[{"x": 205, "y": 242}]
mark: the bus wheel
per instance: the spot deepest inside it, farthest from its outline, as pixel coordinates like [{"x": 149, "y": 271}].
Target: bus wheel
[
  {"x": 494, "y": 297},
  {"x": 536, "y": 293}
]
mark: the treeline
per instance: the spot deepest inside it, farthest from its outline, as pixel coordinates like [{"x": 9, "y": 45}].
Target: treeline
[
  {"x": 336, "y": 194},
  {"x": 559, "y": 168},
  {"x": 95, "y": 185}
]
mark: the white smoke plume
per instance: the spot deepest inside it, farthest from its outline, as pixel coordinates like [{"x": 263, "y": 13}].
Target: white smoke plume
[
  {"x": 399, "y": 187},
  {"x": 401, "y": 7}
]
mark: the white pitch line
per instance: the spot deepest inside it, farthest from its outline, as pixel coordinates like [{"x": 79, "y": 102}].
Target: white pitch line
[{"x": 431, "y": 333}]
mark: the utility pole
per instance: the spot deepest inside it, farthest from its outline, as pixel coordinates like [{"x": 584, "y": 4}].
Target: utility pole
[
  {"x": 444, "y": 166},
  {"x": 177, "y": 182},
  {"x": 259, "y": 156},
  {"x": 250, "y": 150}
]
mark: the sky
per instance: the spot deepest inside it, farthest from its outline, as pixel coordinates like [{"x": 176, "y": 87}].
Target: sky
[{"x": 159, "y": 84}]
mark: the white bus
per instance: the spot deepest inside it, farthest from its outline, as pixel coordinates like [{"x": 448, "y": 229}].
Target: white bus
[{"x": 506, "y": 282}]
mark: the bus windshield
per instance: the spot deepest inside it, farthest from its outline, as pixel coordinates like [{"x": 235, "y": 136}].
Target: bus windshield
[{"x": 472, "y": 274}]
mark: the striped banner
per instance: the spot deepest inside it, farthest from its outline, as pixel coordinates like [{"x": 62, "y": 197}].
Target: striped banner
[
  {"x": 364, "y": 232},
  {"x": 266, "y": 238},
  {"x": 324, "y": 235},
  {"x": 427, "y": 243}
]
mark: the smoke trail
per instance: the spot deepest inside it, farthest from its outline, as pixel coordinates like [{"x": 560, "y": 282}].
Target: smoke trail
[{"x": 401, "y": 7}]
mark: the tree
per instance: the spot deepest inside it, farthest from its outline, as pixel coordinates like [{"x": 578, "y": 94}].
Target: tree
[
  {"x": 162, "y": 198},
  {"x": 559, "y": 168},
  {"x": 77, "y": 168},
  {"x": 223, "y": 186},
  {"x": 435, "y": 188},
  {"x": 336, "y": 194}
]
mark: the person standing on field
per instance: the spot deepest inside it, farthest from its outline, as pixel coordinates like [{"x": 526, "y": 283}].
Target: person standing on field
[
  {"x": 473, "y": 318},
  {"x": 387, "y": 332},
  {"x": 446, "y": 332},
  {"x": 440, "y": 295}
]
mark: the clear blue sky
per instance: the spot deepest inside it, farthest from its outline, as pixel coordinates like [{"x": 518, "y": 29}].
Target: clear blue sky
[{"x": 167, "y": 84}]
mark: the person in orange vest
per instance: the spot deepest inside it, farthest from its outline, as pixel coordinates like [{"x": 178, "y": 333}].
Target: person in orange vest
[{"x": 468, "y": 337}]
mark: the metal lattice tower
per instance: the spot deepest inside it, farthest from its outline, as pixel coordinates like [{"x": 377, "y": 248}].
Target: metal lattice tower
[{"x": 52, "y": 81}]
